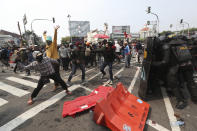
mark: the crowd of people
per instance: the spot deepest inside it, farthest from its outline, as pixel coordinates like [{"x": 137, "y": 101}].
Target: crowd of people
[
  {"x": 47, "y": 59},
  {"x": 10, "y": 56}
]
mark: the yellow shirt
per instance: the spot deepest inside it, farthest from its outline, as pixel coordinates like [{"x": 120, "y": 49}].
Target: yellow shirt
[{"x": 51, "y": 50}]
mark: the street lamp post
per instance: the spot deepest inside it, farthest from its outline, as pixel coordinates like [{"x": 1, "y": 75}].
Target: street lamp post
[
  {"x": 40, "y": 20},
  {"x": 53, "y": 19},
  {"x": 69, "y": 16},
  {"x": 187, "y": 28},
  {"x": 183, "y": 22}
]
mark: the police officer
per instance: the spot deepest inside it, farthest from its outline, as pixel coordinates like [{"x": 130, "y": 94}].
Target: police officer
[{"x": 178, "y": 58}]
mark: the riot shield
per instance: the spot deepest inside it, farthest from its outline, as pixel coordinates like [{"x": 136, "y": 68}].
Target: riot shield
[{"x": 146, "y": 65}]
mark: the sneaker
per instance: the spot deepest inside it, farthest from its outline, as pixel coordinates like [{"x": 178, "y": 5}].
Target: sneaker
[
  {"x": 27, "y": 74},
  {"x": 103, "y": 75},
  {"x": 181, "y": 104},
  {"x": 111, "y": 82},
  {"x": 68, "y": 83},
  {"x": 54, "y": 88},
  {"x": 83, "y": 82}
]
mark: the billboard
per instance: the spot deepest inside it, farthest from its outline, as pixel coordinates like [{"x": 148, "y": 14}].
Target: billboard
[
  {"x": 120, "y": 29},
  {"x": 79, "y": 28}
]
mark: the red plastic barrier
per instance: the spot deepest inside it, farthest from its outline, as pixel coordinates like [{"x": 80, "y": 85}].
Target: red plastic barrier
[
  {"x": 121, "y": 111},
  {"x": 85, "y": 102}
]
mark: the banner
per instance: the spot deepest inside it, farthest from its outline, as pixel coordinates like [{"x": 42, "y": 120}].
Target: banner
[
  {"x": 79, "y": 28},
  {"x": 120, "y": 29}
]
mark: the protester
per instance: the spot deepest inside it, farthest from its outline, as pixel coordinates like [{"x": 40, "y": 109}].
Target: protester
[
  {"x": 78, "y": 60},
  {"x": 64, "y": 56},
  {"x": 127, "y": 54},
  {"x": 118, "y": 53},
  {"x": 88, "y": 50},
  {"x": 45, "y": 68},
  {"x": 108, "y": 52},
  {"x": 51, "y": 49},
  {"x": 139, "y": 50}
]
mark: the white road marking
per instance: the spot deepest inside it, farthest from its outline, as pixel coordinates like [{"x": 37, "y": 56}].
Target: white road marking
[
  {"x": 169, "y": 110},
  {"x": 34, "y": 77},
  {"x": 130, "y": 89},
  {"x": 105, "y": 82},
  {"x": 156, "y": 125},
  {"x": 86, "y": 88},
  {"x": 98, "y": 74},
  {"x": 22, "y": 81},
  {"x": 2, "y": 102},
  {"x": 122, "y": 69},
  {"x": 34, "y": 111},
  {"x": 149, "y": 122},
  {"x": 13, "y": 90},
  {"x": 31, "y": 76}
]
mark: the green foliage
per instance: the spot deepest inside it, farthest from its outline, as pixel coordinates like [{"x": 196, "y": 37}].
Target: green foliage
[
  {"x": 166, "y": 32},
  {"x": 65, "y": 40}
]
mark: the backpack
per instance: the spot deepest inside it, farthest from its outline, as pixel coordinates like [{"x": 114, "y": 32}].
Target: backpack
[
  {"x": 87, "y": 51},
  {"x": 182, "y": 53}
]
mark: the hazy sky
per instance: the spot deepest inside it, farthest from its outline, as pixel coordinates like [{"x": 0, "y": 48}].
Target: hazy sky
[{"x": 114, "y": 12}]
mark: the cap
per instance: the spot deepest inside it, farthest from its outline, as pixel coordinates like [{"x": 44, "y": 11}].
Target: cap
[{"x": 49, "y": 38}]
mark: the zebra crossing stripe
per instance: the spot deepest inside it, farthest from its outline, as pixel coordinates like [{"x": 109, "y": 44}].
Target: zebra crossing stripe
[
  {"x": 33, "y": 77},
  {"x": 13, "y": 90},
  {"x": 3, "y": 102},
  {"x": 35, "y": 110},
  {"x": 22, "y": 82}
]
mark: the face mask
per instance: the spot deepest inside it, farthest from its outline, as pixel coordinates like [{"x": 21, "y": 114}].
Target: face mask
[
  {"x": 49, "y": 42},
  {"x": 39, "y": 58}
]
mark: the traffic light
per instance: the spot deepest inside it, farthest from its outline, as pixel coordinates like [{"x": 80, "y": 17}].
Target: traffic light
[
  {"x": 181, "y": 21},
  {"x": 148, "y": 22},
  {"x": 149, "y": 9},
  {"x": 53, "y": 20}
]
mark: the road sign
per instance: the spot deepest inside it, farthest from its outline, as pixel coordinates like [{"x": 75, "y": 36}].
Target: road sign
[{"x": 79, "y": 28}]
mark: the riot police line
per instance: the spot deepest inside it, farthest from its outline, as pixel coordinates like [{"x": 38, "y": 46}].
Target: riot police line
[{"x": 169, "y": 62}]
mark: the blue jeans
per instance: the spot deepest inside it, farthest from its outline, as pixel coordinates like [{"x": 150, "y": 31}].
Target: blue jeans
[
  {"x": 127, "y": 60},
  {"x": 110, "y": 69},
  {"x": 74, "y": 69}
]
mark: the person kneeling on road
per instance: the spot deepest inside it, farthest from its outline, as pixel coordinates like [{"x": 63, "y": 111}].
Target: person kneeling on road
[{"x": 45, "y": 67}]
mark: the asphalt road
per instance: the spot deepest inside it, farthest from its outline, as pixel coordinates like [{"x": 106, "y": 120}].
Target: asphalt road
[{"x": 46, "y": 113}]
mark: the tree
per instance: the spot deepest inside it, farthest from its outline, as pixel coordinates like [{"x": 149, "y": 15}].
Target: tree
[
  {"x": 29, "y": 35},
  {"x": 65, "y": 40},
  {"x": 166, "y": 32}
]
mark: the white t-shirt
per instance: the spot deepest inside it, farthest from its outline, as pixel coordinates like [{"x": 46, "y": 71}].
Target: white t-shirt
[{"x": 117, "y": 47}]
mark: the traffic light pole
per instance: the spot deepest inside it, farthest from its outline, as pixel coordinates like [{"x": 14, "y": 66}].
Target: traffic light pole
[
  {"x": 188, "y": 28},
  {"x": 157, "y": 21}
]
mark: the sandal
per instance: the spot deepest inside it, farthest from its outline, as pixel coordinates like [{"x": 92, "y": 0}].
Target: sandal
[{"x": 30, "y": 102}]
